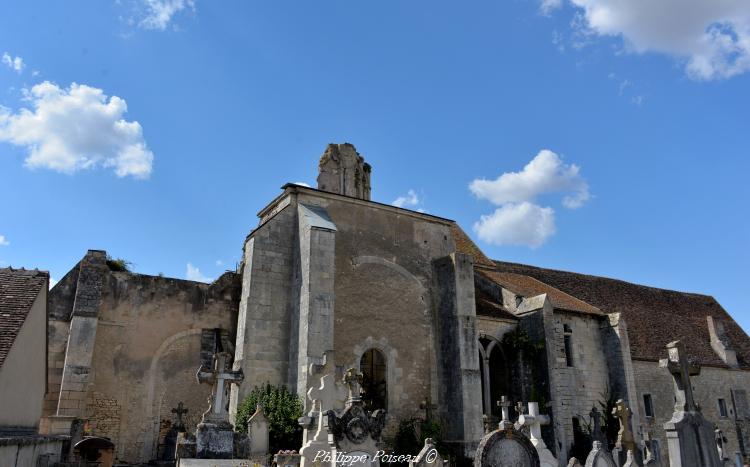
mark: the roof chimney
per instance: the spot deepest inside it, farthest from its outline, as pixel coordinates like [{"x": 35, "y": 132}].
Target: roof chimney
[{"x": 342, "y": 170}]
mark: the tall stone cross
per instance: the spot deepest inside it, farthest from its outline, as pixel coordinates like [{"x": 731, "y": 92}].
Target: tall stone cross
[
  {"x": 520, "y": 408},
  {"x": 328, "y": 396},
  {"x": 504, "y": 405},
  {"x": 180, "y": 410},
  {"x": 428, "y": 407},
  {"x": 534, "y": 421},
  {"x": 218, "y": 376},
  {"x": 681, "y": 370},
  {"x": 625, "y": 438}
]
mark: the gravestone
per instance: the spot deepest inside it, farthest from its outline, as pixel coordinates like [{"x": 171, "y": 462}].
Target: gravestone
[
  {"x": 599, "y": 457},
  {"x": 170, "y": 440},
  {"x": 625, "y": 440},
  {"x": 574, "y": 462},
  {"x": 328, "y": 397},
  {"x": 596, "y": 430},
  {"x": 257, "y": 433},
  {"x": 215, "y": 435},
  {"x": 534, "y": 422},
  {"x": 428, "y": 456},
  {"x": 506, "y": 447},
  {"x": 690, "y": 437},
  {"x": 653, "y": 456},
  {"x": 356, "y": 432}
]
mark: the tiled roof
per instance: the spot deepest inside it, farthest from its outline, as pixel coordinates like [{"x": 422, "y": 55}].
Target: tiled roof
[
  {"x": 487, "y": 306},
  {"x": 654, "y": 316},
  {"x": 527, "y": 286},
  {"x": 18, "y": 291},
  {"x": 466, "y": 246}
]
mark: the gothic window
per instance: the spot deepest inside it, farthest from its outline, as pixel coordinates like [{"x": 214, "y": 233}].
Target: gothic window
[
  {"x": 723, "y": 408},
  {"x": 374, "y": 385},
  {"x": 648, "y": 405},
  {"x": 568, "y": 341}
]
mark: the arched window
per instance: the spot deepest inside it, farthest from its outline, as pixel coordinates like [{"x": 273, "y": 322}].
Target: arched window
[{"x": 374, "y": 386}]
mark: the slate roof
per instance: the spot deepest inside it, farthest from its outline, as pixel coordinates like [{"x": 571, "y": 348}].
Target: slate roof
[
  {"x": 527, "y": 286},
  {"x": 19, "y": 289},
  {"x": 654, "y": 316}
]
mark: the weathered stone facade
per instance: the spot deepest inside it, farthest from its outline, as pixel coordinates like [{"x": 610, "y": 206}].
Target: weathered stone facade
[{"x": 328, "y": 269}]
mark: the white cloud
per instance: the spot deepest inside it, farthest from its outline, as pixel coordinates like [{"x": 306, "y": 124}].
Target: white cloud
[
  {"x": 159, "y": 13},
  {"x": 546, "y": 173},
  {"x": 52, "y": 282},
  {"x": 77, "y": 128},
  {"x": 519, "y": 220},
  {"x": 548, "y": 6},
  {"x": 192, "y": 273},
  {"x": 301, "y": 184},
  {"x": 712, "y": 37},
  {"x": 517, "y": 224},
  {"x": 15, "y": 63},
  {"x": 219, "y": 263},
  {"x": 409, "y": 200},
  {"x": 4, "y": 241}
]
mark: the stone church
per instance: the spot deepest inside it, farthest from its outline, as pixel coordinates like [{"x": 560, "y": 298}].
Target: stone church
[{"x": 404, "y": 296}]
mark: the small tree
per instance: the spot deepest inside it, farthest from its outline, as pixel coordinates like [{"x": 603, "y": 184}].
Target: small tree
[
  {"x": 282, "y": 408},
  {"x": 118, "y": 264}
]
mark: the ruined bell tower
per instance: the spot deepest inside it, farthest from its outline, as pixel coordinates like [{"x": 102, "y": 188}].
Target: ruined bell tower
[{"x": 342, "y": 170}]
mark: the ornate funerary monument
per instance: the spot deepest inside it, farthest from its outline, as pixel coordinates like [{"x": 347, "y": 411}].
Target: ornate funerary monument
[{"x": 330, "y": 280}]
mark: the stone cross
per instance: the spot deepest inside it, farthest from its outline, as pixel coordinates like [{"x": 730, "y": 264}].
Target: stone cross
[
  {"x": 328, "y": 396},
  {"x": 625, "y": 438},
  {"x": 721, "y": 441},
  {"x": 218, "y": 376},
  {"x": 180, "y": 410},
  {"x": 520, "y": 408},
  {"x": 428, "y": 407},
  {"x": 534, "y": 421},
  {"x": 596, "y": 421},
  {"x": 353, "y": 379},
  {"x": 681, "y": 370},
  {"x": 504, "y": 405}
]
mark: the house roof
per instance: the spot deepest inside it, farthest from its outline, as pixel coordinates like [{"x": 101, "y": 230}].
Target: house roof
[
  {"x": 654, "y": 316},
  {"x": 487, "y": 306},
  {"x": 19, "y": 289},
  {"x": 466, "y": 246},
  {"x": 528, "y": 286}
]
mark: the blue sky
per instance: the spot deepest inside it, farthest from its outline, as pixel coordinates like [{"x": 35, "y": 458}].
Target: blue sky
[{"x": 623, "y": 137}]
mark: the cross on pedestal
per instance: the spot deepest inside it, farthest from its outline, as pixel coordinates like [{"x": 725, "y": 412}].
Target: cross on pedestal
[
  {"x": 180, "y": 410},
  {"x": 625, "y": 438},
  {"x": 428, "y": 407},
  {"x": 681, "y": 370},
  {"x": 219, "y": 377},
  {"x": 504, "y": 405}
]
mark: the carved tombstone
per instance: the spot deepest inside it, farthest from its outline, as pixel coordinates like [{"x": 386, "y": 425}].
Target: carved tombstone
[
  {"x": 506, "y": 447},
  {"x": 356, "y": 432},
  {"x": 625, "y": 443},
  {"x": 690, "y": 437},
  {"x": 428, "y": 456},
  {"x": 599, "y": 457},
  {"x": 328, "y": 396},
  {"x": 573, "y": 462}
]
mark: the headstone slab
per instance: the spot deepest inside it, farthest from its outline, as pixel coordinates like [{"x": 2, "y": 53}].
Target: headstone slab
[
  {"x": 506, "y": 447},
  {"x": 428, "y": 456},
  {"x": 574, "y": 462},
  {"x": 599, "y": 457}
]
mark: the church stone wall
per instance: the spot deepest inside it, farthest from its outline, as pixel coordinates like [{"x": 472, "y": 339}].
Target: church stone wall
[
  {"x": 146, "y": 348},
  {"x": 383, "y": 268},
  {"x": 711, "y": 385},
  {"x": 576, "y": 389},
  {"x": 264, "y": 330}
]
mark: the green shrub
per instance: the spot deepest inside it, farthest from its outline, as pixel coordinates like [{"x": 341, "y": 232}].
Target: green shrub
[
  {"x": 119, "y": 264},
  {"x": 282, "y": 408}
]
